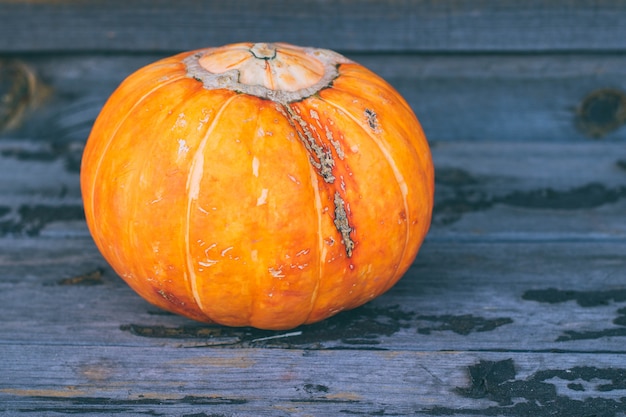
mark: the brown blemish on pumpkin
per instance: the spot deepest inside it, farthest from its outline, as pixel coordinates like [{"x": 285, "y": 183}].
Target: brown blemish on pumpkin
[
  {"x": 170, "y": 298},
  {"x": 342, "y": 225},
  {"x": 372, "y": 120},
  {"x": 322, "y": 159},
  {"x": 336, "y": 144}
]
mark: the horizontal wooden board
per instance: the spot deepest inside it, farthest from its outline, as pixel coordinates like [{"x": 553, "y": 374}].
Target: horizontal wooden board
[
  {"x": 349, "y": 25},
  {"x": 546, "y": 98},
  {"x": 485, "y": 191},
  {"x": 515, "y": 305},
  {"x": 529, "y": 191},
  {"x": 468, "y": 296},
  {"x": 110, "y": 381}
]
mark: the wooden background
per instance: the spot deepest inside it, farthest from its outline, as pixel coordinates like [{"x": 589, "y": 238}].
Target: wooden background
[{"x": 515, "y": 306}]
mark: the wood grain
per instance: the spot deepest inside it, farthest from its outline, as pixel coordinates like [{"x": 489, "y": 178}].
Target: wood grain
[
  {"x": 477, "y": 97},
  {"x": 465, "y": 296},
  {"x": 516, "y": 305},
  {"x": 276, "y": 382},
  {"x": 351, "y": 25},
  {"x": 485, "y": 191}
]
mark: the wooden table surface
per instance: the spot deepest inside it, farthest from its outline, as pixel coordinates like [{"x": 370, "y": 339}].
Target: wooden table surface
[{"x": 515, "y": 305}]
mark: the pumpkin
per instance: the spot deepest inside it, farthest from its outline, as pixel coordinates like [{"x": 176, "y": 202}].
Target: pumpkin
[{"x": 263, "y": 185}]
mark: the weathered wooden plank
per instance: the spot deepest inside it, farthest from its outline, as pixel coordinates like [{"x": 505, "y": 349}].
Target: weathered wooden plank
[
  {"x": 351, "y": 25},
  {"x": 549, "y": 98},
  {"x": 484, "y": 190},
  {"x": 501, "y": 296},
  {"x": 275, "y": 382},
  {"x": 521, "y": 191}
]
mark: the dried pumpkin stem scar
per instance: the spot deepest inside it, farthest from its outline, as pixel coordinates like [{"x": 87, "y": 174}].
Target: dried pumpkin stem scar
[{"x": 273, "y": 71}]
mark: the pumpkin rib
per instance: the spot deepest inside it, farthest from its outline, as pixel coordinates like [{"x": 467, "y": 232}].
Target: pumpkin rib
[
  {"x": 253, "y": 285},
  {"x": 193, "y": 188},
  {"x": 396, "y": 172},
  {"x": 111, "y": 138},
  {"x": 320, "y": 241},
  {"x": 314, "y": 184},
  {"x": 131, "y": 231}
]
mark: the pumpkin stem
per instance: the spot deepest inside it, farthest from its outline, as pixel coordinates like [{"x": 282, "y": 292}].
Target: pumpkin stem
[
  {"x": 276, "y": 71},
  {"x": 263, "y": 50}
]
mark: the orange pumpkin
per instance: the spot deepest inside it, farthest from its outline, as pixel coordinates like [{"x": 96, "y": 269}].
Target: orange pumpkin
[{"x": 263, "y": 185}]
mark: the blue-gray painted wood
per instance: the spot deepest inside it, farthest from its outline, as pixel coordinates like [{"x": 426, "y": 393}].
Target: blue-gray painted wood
[
  {"x": 348, "y": 25},
  {"x": 529, "y": 98},
  {"x": 515, "y": 305}
]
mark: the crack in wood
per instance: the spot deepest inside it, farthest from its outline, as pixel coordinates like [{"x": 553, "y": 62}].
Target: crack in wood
[{"x": 109, "y": 406}]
